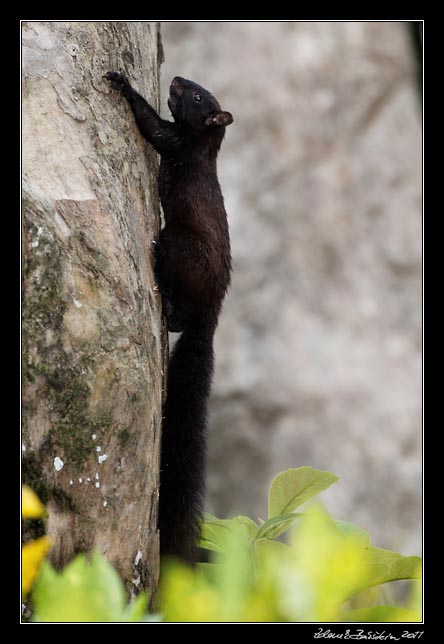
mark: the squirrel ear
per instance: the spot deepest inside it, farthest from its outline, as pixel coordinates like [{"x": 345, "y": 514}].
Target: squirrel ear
[{"x": 219, "y": 118}]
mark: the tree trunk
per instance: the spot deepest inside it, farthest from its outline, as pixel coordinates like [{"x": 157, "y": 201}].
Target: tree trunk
[{"x": 93, "y": 338}]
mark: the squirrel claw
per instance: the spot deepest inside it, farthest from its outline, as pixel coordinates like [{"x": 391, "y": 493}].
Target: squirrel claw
[{"x": 116, "y": 77}]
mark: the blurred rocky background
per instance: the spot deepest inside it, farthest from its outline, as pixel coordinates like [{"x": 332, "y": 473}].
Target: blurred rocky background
[{"x": 318, "y": 350}]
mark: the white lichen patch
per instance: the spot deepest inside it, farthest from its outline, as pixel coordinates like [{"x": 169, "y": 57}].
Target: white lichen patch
[
  {"x": 98, "y": 448},
  {"x": 123, "y": 343},
  {"x": 41, "y": 123},
  {"x": 105, "y": 503},
  {"x": 102, "y": 458},
  {"x": 77, "y": 304},
  {"x": 62, "y": 225},
  {"x": 82, "y": 323},
  {"x": 50, "y": 337},
  {"x": 94, "y": 436},
  {"x": 97, "y": 484},
  {"x": 136, "y": 581},
  {"x": 80, "y": 480},
  {"x": 58, "y": 463},
  {"x": 97, "y": 475},
  {"x": 88, "y": 479},
  {"x": 138, "y": 557},
  {"x": 71, "y": 482}
]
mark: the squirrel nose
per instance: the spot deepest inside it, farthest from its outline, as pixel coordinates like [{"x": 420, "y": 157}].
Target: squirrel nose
[{"x": 176, "y": 86}]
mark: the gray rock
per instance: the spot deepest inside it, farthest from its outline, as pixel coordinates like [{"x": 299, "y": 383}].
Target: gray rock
[{"x": 318, "y": 348}]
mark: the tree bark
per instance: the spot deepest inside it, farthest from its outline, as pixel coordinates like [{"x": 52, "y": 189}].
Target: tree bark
[{"x": 93, "y": 338}]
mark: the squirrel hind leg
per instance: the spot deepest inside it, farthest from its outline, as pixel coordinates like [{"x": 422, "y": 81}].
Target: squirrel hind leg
[{"x": 174, "y": 321}]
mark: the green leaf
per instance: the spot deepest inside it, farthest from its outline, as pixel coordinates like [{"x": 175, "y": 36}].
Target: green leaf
[
  {"x": 207, "y": 568},
  {"x": 233, "y": 578},
  {"x": 85, "y": 591},
  {"x": 207, "y": 516},
  {"x": 293, "y": 487},
  {"x": 210, "y": 538},
  {"x": 385, "y": 566},
  {"x": 415, "y": 599},
  {"x": 381, "y": 614},
  {"x": 186, "y": 594},
  {"x": 214, "y": 531},
  {"x": 250, "y": 526},
  {"x": 351, "y": 529},
  {"x": 136, "y": 611},
  {"x": 329, "y": 565},
  {"x": 276, "y": 525},
  {"x": 266, "y": 550}
]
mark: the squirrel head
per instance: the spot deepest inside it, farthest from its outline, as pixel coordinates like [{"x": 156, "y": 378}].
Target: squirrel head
[{"x": 192, "y": 105}]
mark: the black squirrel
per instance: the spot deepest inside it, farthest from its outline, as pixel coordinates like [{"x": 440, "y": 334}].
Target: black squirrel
[{"x": 192, "y": 269}]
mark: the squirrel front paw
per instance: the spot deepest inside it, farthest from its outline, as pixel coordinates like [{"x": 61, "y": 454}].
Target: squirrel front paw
[{"x": 118, "y": 79}]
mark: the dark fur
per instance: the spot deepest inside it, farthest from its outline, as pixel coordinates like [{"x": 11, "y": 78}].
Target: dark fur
[{"x": 193, "y": 265}]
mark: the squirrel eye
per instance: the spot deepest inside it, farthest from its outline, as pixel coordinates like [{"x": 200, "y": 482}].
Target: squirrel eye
[{"x": 198, "y": 98}]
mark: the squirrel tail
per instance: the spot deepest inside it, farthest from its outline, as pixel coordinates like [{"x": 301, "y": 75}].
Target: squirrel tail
[{"x": 183, "y": 447}]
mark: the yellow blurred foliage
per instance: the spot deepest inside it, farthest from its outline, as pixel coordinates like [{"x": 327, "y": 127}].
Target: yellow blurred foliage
[
  {"x": 188, "y": 597},
  {"x": 32, "y": 508},
  {"x": 33, "y": 554}
]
